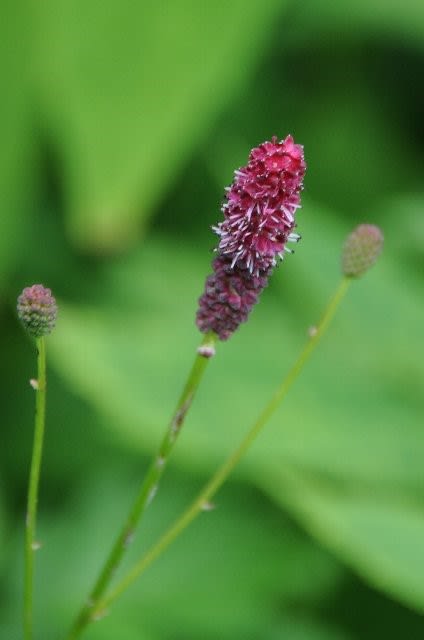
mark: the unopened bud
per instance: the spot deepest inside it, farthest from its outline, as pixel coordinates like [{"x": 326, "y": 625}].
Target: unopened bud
[
  {"x": 37, "y": 310},
  {"x": 361, "y": 250}
]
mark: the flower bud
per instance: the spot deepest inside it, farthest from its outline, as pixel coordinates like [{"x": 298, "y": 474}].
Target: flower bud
[
  {"x": 37, "y": 310},
  {"x": 361, "y": 250}
]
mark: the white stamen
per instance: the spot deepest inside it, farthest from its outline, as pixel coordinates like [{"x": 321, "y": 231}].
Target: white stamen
[{"x": 294, "y": 237}]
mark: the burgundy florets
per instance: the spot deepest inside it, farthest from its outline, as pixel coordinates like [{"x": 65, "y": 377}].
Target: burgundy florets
[
  {"x": 259, "y": 218},
  {"x": 261, "y": 205},
  {"x": 230, "y": 293}
]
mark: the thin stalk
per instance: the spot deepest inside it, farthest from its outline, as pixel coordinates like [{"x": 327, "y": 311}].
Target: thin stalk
[
  {"x": 203, "y": 499},
  {"x": 33, "y": 484},
  {"x": 147, "y": 491}
]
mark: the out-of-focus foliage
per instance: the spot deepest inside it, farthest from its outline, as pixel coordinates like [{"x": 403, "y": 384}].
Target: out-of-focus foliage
[{"x": 121, "y": 123}]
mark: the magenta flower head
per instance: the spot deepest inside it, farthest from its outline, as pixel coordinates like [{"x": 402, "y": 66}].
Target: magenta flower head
[
  {"x": 361, "y": 250},
  {"x": 37, "y": 310},
  {"x": 259, "y": 214},
  {"x": 259, "y": 220}
]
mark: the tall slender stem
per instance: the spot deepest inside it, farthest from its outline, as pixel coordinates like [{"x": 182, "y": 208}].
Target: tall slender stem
[
  {"x": 202, "y": 500},
  {"x": 33, "y": 484},
  {"x": 90, "y": 610}
]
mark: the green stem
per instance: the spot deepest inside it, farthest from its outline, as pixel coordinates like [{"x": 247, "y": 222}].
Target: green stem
[
  {"x": 90, "y": 610},
  {"x": 33, "y": 484},
  {"x": 202, "y": 501}
]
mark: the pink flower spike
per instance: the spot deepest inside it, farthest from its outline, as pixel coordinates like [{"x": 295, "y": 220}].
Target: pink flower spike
[
  {"x": 259, "y": 221},
  {"x": 261, "y": 204}
]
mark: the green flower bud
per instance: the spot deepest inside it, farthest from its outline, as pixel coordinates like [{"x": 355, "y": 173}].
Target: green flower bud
[
  {"x": 37, "y": 310},
  {"x": 361, "y": 250}
]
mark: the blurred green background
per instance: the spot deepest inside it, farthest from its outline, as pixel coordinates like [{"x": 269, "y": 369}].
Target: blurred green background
[{"x": 121, "y": 124}]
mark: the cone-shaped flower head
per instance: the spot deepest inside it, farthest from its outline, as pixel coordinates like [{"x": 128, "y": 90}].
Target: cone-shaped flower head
[
  {"x": 37, "y": 310},
  {"x": 260, "y": 207},
  {"x": 361, "y": 250},
  {"x": 259, "y": 218}
]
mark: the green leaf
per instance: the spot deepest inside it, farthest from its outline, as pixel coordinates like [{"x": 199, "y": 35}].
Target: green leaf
[
  {"x": 298, "y": 628},
  {"x": 128, "y": 89},
  {"x": 387, "y": 17},
  {"x": 16, "y": 187},
  {"x": 379, "y": 536}
]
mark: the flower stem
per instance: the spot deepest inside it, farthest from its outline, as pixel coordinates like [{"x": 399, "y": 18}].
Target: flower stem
[
  {"x": 34, "y": 478},
  {"x": 91, "y": 610},
  {"x": 202, "y": 500}
]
